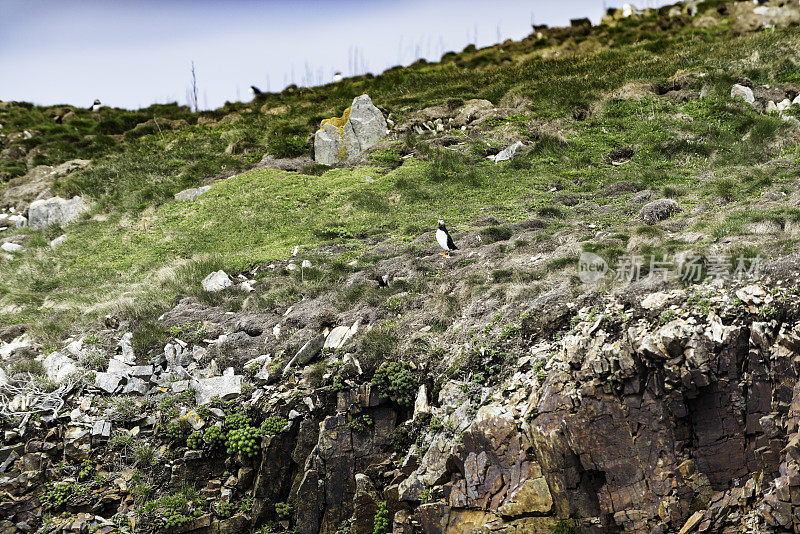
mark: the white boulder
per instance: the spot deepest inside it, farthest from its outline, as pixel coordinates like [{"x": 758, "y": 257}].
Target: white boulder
[
  {"x": 57, "y": 366},
  {"x": 743, "y": 92},
  {"x": 509, "y": 152},
  {"x": 216, "y": 281},
  {"x": 56, "y": 210},
  {"x": 11, "y": 247}
]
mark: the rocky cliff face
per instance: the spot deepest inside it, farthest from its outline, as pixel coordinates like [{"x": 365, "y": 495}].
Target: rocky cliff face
[{"x": 648, "y": 409}]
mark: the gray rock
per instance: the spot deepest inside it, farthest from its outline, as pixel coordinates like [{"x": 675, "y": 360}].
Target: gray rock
[
  {"x": 142, "y": 370},
  {"x": 421, "y": 403},
  {"x": 57, "y": 241},
  {"x": 57, "y": 366},
  {"x": 192, "y": 194},
  {"x": 743, "y": 92},
  {"x": 177, "y": 356},
  {"x": 216, "y": 281},
  {"x": 108, "y": 382},
  {"x": 101, "y": 431},
  {"x": 306, "y": 353},
  {"x": 658, "y": 210},
  {"x": 77, "y": 443},
  {"x": 509, "y": 152},
  {"x": 13, "y": 220},
  {"x": 11, "y": 247},
  {"x": 341, "y": 335},
  {"x": 179, "y": 386},
  {"x": 56, "y": 210},
  {"x": 192, "y": 455},
  {"x": 118, "y": 368},
  {"x": 367, "y": 121},
  {"x": 126, "y": 349},
  {"x": 344, "y": 142},
  {"x": 137, "y": 386},
  {"x": 225, "y": 387}
]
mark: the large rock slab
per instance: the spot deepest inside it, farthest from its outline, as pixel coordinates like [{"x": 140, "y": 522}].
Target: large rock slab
[
  {"x": 56, "y": 210},
  {"x": 224, "y": 387},
  {"x": 343, "y": 139}
]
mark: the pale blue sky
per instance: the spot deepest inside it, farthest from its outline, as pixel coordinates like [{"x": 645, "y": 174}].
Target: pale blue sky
[{"x": 135, "y": 53}]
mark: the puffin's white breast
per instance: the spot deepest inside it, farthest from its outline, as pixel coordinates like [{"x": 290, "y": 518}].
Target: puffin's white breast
[{"x": 441, "y": 238}]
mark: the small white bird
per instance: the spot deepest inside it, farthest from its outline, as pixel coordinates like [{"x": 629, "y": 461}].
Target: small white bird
[
  {"x": 96, "y": 105},
  {"x": 444, "y": 239},
  {"x": 337, "y": 77},
  {"x": 627, "y": 10}
]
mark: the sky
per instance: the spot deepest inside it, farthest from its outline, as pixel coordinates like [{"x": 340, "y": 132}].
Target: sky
[{"x": 131, "y": 54}]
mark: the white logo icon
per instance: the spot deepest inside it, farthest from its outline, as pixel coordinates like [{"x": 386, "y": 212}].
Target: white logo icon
[{"x": 591, "y": 267}]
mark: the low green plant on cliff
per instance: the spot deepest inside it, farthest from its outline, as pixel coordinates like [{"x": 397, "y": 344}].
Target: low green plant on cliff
[
  {"x": 381, "y": 521},
  {"x": 562, "y": 527},
  {"x": 214, "y": 437},
  {"x": 244, "y": 441},
  {"x": 55, "y": 496},
  {"x": 395, "y": 381},
  {"x": 237, "y": 419},
  {"x": 195, "y": 440},
  {"x": 177, "y": 430},
  {"x": 273, "y": 425},
  {"x": 283, "y": 510},
  {"x": 169, "y": 511},
  {"x": 360, "y": 425},
  {"x": 224, "y": 510}
]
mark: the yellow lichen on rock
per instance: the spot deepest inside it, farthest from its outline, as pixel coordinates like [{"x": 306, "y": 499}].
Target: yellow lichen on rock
[{"x": 339, "y": 122}]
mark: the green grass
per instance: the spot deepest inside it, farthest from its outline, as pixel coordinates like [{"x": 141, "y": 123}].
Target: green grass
[{"x": 143, "y": 248}]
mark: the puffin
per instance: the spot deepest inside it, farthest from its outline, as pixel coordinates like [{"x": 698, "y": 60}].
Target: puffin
[
  {"x": 255, "y": 91},
  {"x": 96, "y": 105},
  {"x": 337, "y": 77},
  {"x": 444, "y": 239}
]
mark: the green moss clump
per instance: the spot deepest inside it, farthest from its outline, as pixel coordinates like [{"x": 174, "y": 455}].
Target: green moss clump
[
  {"x": 55, "y": 496},
  {"x": 273, "y": 425},
  {"x": 195, "y": 440},
  {"x": 396, "y": 381},
  {"x": 214, "y": 437},
  {"x": 381, "y": 521},
  {"x": 243, "y": 441},
  {"x": 237, "y": 419}
]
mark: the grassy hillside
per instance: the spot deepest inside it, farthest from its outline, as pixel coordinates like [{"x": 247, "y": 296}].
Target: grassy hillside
[{"x": 575, "y": 97}]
